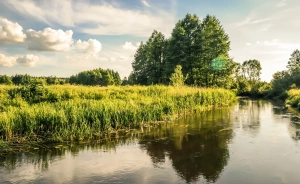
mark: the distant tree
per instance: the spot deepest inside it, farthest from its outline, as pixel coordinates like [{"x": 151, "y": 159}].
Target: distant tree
[
  {"x": 21, "y": 79},
  {"x": 96, "y": 77},
  {"x": 251, "y": 71},
  {"x": 4, "y": 79},
  {"x": 294, "y": 62},
  {"x": 177, "y": 78}
]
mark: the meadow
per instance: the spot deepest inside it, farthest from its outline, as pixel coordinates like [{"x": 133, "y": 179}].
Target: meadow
[{"x": 73, "y": 113}]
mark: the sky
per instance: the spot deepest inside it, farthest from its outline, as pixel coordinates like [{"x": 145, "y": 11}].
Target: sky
[{"x": 65, "y": 37}]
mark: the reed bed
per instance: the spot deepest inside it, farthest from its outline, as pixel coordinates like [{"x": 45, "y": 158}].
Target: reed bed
[{"x": 72, "y": 113}]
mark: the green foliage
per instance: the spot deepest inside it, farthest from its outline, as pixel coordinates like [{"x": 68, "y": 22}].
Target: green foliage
[
  {"x": 97, "y": 77},
  {"x": 4, "y": 79},
  {"x": 183, "y": 47},
  {"x": 80, "y": 112},
  {"x": 21, "y": 79},
  {"x": 148, "y": 64},
  {"x": 35, "y": 92},
  {"x": 288, "y": 79},
  {"x": 195, "y": 46},
  {"x": 177, "y": 78}
]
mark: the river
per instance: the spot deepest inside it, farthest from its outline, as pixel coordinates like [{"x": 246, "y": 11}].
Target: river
[{"x": 253, "y": 141}]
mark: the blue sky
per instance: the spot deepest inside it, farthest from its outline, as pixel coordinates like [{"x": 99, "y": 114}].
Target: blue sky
[{"x": 64, "y": 37}]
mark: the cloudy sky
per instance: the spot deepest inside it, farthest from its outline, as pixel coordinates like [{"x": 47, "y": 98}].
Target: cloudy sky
[{"x": 64, "y": 37}]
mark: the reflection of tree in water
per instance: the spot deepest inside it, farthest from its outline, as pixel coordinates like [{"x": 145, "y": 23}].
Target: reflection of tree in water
[
  {"x": 294, "y": 124},
  {"x": 196, "y": 146},
  {"x": 248, "y": 115},
  {"x": 43, "y": 157}
]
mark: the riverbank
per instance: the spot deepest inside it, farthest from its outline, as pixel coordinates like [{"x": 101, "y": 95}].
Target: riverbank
[{"x": 74, "y": 113}]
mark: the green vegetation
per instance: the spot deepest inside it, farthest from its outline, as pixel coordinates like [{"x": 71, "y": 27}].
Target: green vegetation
[
  {"x": 59, "y": 113},
  {"x": 97, "y": 77}
]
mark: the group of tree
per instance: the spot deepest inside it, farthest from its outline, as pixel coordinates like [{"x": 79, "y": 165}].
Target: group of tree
[
  {"x": 198, "y": 50},
  {"x": 98, "y": 76},
  {"x": 27, "y": 79},
  {"x": 102, "y": 77},
  {"x": 287, "y": 79}
]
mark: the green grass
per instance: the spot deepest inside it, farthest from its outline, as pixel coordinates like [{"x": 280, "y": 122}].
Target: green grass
[
  {"x": 70, "y": 113},
  {"x": 293, "y": 98}
]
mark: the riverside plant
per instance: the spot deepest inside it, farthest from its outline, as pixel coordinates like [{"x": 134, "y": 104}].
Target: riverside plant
[{"x": 74, "y": 113}]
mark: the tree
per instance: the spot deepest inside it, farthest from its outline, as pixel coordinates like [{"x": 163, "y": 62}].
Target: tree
[
  {"x": 148, "y": 64},
  {"x": 177, "y": 78},
  {"x": 183, "y": 46},
  {"x": 251, "y": 71},
  {"x": 97, "y": 77},
  {"x": 214, "y": 44},
  {"x": 4, "y": 79},
  {"x": 294, "y": 62}
]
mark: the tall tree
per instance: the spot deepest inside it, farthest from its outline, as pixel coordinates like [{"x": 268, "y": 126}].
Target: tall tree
[
  {"x": 214, "y": 44},
  {"x": 252, "y": 71},
  {"x": 294, "y": 62},
  {"x": 148, "y": 64},
  {"x": 183, "y": 46}
]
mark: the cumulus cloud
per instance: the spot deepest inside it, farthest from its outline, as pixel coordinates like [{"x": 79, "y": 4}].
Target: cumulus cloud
[
  {"x": 11, "y": 32},
  {"x": 92, "y": 46},
  {"x": 49, "y": 40},
  {"x": 28, "y": 60},
  {"x": 7, "y": 61},
  {"x": 129, "y": 46}
]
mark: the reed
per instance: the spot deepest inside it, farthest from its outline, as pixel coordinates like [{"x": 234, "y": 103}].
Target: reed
[{"x": 69, "y": 113}]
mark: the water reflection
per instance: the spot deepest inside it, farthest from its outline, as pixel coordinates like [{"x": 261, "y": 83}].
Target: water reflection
[
  {"x": 247, "y": 114},
  {"x": 196, "y": 146},
  {"x": 284, "y": 112}
]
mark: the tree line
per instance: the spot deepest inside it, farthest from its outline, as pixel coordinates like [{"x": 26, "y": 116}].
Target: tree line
[{"x": 102, "y": 77}]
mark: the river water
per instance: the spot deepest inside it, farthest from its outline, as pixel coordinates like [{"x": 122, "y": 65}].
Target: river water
[{"x": 251, "y": 142}]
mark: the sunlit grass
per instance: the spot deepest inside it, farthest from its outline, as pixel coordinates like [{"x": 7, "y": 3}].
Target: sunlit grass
[{"x": 69, "y": 112}]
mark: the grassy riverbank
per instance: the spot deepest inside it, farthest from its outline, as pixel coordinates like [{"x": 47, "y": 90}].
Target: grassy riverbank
[
  {"x": 293, "y": 98},
  {"x": 61, "y": 113}
]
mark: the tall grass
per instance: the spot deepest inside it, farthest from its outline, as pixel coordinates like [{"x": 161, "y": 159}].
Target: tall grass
[{"x": 60, "y": 113}]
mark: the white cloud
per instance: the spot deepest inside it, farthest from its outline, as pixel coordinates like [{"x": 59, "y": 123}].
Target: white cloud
[
  {"x": 102, "y": 19},
  {"x": 248, "y": 44},
  {"x": 92, "y": 46},
  {"x": 7, "y": 61},
  {"x": 129, "y": 46},
  {"x": 282, "y": 3},
  {"x": 49, "y": 40},
  {"x": 146, "y": 3},
  {"x": 28, "y": 60},
  {"x": 11, "y": 32}
]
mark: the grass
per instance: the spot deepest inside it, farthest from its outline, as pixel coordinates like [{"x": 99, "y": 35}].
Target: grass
[
  {"x": 74, "y": 113},
  {"x": 293, "y": 98}
]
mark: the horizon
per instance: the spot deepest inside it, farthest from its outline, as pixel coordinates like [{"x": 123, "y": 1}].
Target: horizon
[{"x": 63, "y": 38}]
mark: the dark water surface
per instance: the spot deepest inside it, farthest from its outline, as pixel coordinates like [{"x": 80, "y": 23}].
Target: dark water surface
[{"x": 250, "y": 142}]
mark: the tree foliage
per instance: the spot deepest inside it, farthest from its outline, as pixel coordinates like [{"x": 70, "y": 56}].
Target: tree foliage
[
  {"x": 177, "y": 78},
  {"x": 98, "y": 76},
  {"x": 194, "y": 45}
]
